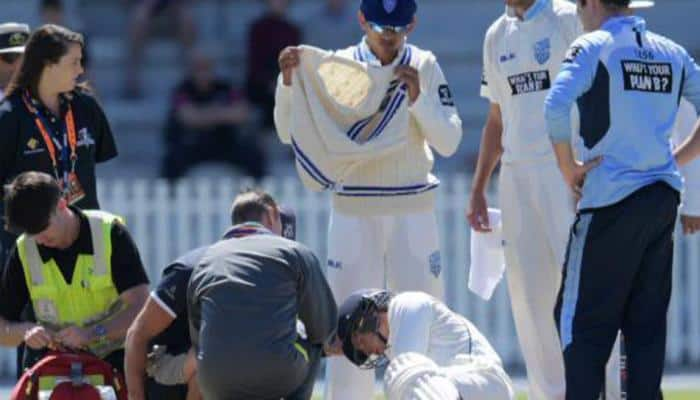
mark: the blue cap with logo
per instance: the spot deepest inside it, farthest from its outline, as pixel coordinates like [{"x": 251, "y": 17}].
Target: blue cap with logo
[{"x": 389, "y": 12}]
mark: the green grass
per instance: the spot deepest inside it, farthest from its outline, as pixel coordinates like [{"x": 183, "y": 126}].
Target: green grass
[{"x": 668, "y": 395}]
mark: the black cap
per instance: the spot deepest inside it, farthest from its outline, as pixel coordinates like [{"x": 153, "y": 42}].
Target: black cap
[
  {"x": 389, "y": 12},
  {"x": 13, "y": 37},
  {"x": 352, "y": 315}
]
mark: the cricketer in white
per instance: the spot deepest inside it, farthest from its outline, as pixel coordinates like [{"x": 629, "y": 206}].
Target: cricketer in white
[
  {"x": 383, "y": 230},
  {"x": 523, "y": 51},
  {"x": 433, "y": 352}
]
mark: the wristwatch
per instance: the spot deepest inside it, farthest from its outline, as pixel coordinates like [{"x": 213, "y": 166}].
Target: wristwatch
[{"x": 100, "y": 333}]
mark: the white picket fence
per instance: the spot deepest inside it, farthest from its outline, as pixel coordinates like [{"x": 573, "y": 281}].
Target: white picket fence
[{"x": 167, "y": 221}]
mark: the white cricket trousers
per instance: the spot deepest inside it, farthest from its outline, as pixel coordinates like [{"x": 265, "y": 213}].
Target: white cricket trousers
[
  {"x": 413, "y": 376},
  {"x": 537, "y": 212},
  {"x": 397, "y": 252}
]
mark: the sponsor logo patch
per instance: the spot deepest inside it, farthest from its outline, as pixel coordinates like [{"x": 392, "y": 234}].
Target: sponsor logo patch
[
  {"x": 445, "y": 96},
  {"x": 389, "y": 5},
  {"x": 506, "y": 57},
  {"x": 84, "y": 138},
  {"x": 17, "y": 39},
  {"x": 529, "y": 82},
  {"x": 652, "y": 77},
  {"x": 32, "y": 143},
  {"x": 334, "y": 264}
]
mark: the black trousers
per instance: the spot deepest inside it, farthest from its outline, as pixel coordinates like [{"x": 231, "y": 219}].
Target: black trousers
[
  {"x": 287, "y": 380},
  {"x": 617, "y": 276},
  {"x": 156, "y": 391}
]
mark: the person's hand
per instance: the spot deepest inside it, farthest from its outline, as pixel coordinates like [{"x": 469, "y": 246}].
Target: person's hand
[
  {"x": 189, "y": 370},
  {"x": 690, "y": 224},
  {"x": 38, "y": 338},
  {"x": 409, "y": 76},
  {"x": 74, "y": 337},
  {"x": 575, "y": 175},
  {"x": 288, "y": 60},
  {"x": 478, "y": 213},
  {"x": 334, "y": 348}
]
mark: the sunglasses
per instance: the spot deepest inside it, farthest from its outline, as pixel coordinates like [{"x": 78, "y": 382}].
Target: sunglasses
[
  {"x": 10, "y": 58},
  {"x": 387, "y": 28}
]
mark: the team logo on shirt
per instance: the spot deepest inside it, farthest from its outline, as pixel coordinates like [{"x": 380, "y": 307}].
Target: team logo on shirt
[
  {"x": 435, "y": 264},
  {"x": 17, "y": 39},
  {"x": 33, "y": 147},
  {"x": 529, "y": 82},
  {"x": 647, "y": 77},
  {"x": 542, "y": 51},
  {"x": 32, "y": 143},
  {"x": 389, "y": 5},
  {"x": 445, "y": 96}
]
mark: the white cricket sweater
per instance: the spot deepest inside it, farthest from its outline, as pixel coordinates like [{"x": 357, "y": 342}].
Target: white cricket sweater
[
  {"x": 391, "y": 172},
  {"x": 421, "y": 324}
]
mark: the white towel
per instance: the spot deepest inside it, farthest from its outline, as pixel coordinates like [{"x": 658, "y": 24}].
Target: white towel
[
  {"x": 343, "y": 113},
  {"x": 487, "y": 257}
]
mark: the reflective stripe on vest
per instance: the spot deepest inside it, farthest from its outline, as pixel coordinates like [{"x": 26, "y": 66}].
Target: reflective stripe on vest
[{"x": 90, "y": 297}]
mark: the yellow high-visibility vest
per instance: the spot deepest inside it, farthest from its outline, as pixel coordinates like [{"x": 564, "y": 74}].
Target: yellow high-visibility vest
[{"x": 91, "y": 297}]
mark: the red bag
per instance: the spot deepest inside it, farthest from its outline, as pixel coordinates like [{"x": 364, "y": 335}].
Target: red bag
[{"x": 69, "y": 376}]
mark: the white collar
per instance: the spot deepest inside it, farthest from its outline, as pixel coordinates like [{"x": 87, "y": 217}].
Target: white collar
[{"x": 366, "y": 55}]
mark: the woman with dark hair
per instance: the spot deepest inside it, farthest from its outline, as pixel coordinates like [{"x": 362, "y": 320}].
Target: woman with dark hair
[{"x": 52, "y": 124}]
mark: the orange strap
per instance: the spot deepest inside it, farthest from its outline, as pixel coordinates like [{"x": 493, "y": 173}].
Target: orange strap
[{"x": 72, "y": 136}]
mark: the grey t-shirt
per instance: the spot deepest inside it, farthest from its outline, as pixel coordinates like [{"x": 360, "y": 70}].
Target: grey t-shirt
[{"x": 244, "y": 299}]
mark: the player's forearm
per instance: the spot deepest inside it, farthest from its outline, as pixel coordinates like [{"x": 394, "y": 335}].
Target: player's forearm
[
  {"x": 490, "y": 152},
  {"x": 440, "y": 124},
  {"x": 565, "y": 157},
  {"x": 130, "y": 305},
  {"x": 690, "y": 149},
  {"x": 12, "y": 333},
  {"x": 282, "y": 111},
  {"x": 135, "y": 360}
]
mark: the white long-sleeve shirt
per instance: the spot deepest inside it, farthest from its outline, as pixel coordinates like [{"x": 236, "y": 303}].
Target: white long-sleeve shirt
[
  {"x": 685, "y": 122},
  {"x": 421, "y": 324},
  {"x": 401, "y": 181}
]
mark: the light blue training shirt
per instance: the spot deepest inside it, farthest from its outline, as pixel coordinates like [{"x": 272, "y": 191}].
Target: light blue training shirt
[{"x": 627, "y": 83}]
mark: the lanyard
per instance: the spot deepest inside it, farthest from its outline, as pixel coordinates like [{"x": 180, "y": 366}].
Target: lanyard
[
  {"x": 246, "y": 229},
  {"x": 63, "y": 142}
]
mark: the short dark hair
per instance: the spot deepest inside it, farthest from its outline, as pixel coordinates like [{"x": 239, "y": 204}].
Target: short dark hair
[
  {"x": 30, "y": 200},
  {"x": 251, "y": 205},
  {"x": 51, "y": 4},
  {"x": 614, "y": 4}
]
